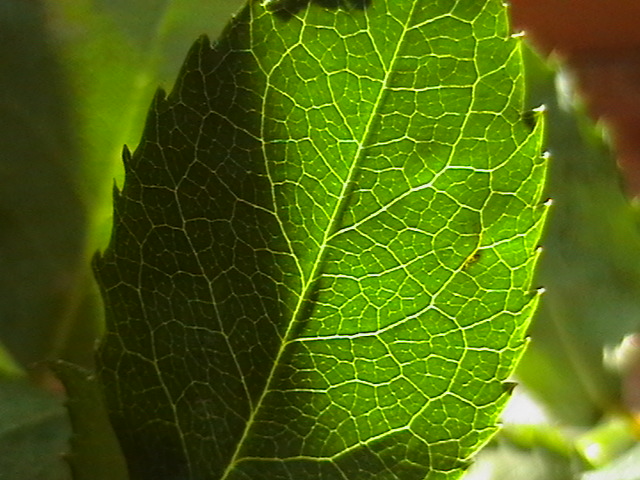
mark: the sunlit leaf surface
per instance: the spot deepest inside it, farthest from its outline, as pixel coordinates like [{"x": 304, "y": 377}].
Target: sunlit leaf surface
[{"x": 322, "y": 253}]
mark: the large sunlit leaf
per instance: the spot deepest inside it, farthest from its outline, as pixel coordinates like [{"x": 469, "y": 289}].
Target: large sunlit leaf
[{"x": 322, "y": 253}]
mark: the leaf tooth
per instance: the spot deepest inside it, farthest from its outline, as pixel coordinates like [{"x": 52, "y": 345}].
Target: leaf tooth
[
  {"x": 159, "y": 101},
  {"x": 205, "y": 41},
  {"x": 509, "y": 387},
  {"x": 537, "y": 252},
  {"x": 96, "y": 262},
  {"x": 116, "y": 192},
  {"x": 126, "y": 160},
  {"x": 530, "y": 119},
  {"x": 532, "y": 293}
]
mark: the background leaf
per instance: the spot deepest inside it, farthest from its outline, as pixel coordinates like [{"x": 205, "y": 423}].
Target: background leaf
[
  {"x": 33, "y": 433},
  {"x": 40, "y": 238},
  {"x": 77, "y": 77},
  {"x": 589, "y": 266},
  {"x": 95, "y": 452},
  {"x": 115, "y": 54},
  {"x": 323, "y": 249},
  {"x": 624, "y": 468}
]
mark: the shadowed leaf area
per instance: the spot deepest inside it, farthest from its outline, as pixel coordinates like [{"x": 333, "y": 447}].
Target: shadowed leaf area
[
  {"x": 40, "y": 239},
  {"x": 33, "y": 433},
  {"x": 322, "y": 252}
]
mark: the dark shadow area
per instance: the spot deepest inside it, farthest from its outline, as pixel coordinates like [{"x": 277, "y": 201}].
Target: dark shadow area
[
  {"x": 41, "y": 212},
  {"x": 529, "y": 119}
]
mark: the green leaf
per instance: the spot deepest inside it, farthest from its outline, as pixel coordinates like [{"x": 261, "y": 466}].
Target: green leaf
[
  {"x": 9, "y": 368},
  {"x": 95, "y": 452},
  {"x": 626, "y": 467},
  {"x": 323, "y": 248},
  {"x": 33, "y": 433},
  {"x": 41, "y": 238},
  {"x": 116, "y": 52},
  {"x": 589, "y": 267}
]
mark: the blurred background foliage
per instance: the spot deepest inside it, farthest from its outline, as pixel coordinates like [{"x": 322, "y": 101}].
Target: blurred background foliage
[{"x": 76, "y": 79}]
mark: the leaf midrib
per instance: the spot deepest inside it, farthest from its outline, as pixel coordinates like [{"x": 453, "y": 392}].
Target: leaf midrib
[{"x": 335, "y": 218}]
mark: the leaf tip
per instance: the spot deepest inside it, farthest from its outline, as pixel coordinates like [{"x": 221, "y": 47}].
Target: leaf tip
[
  {"x": 509, "y": 387},
  {"x": 116, "y": 192},
  {"x": 126, "y": 159},
  {"x": 96, "y": 262},
  {"x": 538, "y": 252},
  {"x": 540, "y": 291},
  {"x": 159, "y": 98},
  {"x": 204, "y": 40}
]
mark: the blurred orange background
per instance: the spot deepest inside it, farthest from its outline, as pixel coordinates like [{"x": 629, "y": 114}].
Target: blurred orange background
[{"x": 600, "y": 39}]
